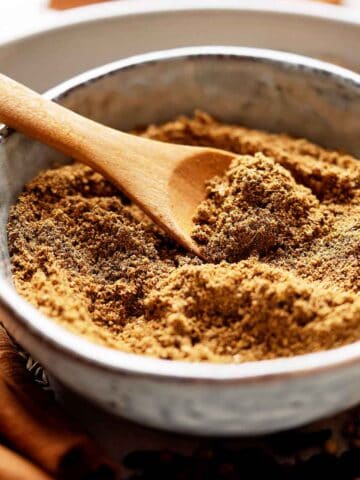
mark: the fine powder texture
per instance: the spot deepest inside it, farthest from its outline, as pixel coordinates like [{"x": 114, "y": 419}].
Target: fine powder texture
[
  {"x": 281, "y": 230},
  {"x": 256, "y": 207}
]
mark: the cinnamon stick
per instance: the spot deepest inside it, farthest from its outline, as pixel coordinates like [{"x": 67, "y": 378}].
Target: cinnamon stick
[
  {"x": 335, "y": 2},
  {"x": 64, "y": 4},
  {"x": 15, "y": 467},
  {"x": 34, "y": 425}
]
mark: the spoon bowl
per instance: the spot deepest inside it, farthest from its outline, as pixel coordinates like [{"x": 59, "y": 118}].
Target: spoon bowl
[{"x": 187, "y": 186}]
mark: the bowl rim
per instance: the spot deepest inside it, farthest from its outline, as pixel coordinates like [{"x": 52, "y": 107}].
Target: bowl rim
[{"x": 57, "y": 337}]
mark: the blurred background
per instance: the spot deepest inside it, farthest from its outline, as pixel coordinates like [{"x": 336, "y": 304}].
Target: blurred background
[{"x": 43, "y": 42}]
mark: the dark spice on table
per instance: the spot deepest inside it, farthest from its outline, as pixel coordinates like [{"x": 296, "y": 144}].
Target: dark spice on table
[{"x": 294, "y": 455}]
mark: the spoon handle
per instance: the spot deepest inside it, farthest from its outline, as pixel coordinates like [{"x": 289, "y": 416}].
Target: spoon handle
[{"x": 28, "y": 112}]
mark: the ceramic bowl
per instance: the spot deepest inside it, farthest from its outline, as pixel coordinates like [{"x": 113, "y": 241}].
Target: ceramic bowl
[{"x": 258, "y": 88}]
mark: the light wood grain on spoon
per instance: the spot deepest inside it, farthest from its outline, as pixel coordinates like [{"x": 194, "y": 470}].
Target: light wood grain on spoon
[{"x": 167, "y": 181}]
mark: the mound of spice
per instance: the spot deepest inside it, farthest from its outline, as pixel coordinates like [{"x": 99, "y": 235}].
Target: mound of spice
[
  {"x": 281, "y": 230},
  {"x": 248, "y": 309},
  {"x": 256, "y": 207}
]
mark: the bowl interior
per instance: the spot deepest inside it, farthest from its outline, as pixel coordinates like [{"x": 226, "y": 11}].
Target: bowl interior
[{"x": 261, "y": 89}]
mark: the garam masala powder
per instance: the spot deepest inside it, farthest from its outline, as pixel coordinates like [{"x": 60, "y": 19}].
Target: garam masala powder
[{"x": 281, "y": 227}]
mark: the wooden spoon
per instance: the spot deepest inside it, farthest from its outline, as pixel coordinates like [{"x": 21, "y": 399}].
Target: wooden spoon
[{"x": 167, "y": 181}]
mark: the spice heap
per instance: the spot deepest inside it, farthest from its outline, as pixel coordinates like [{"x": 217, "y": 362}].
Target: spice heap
[
  {"x": 256, "y": 207},
  {"x": 281, "y": 230},
  {"x": 248, "y": 309}
]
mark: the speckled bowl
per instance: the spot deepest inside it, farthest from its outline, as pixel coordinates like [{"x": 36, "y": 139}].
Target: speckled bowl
[{"x": 258, "y": 88}]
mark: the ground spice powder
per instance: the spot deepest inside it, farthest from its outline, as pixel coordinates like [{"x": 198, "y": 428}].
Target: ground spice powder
[{"x": 281, "y": 230}]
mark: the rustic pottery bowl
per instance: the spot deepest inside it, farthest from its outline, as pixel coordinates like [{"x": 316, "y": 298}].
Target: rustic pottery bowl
[{"x": 264, "y": 89}]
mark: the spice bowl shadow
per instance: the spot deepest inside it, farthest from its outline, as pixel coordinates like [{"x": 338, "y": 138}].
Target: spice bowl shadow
[{"x": 269, "y": 90}]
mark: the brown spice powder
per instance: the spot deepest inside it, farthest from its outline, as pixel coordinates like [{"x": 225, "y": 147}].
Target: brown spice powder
[
  {"x": 282, "y": 228},
  {"x": 256, "y": 207}
]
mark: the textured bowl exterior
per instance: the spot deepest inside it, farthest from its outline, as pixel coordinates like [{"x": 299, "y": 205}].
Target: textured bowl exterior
[{"x": 258, "y": 88}]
